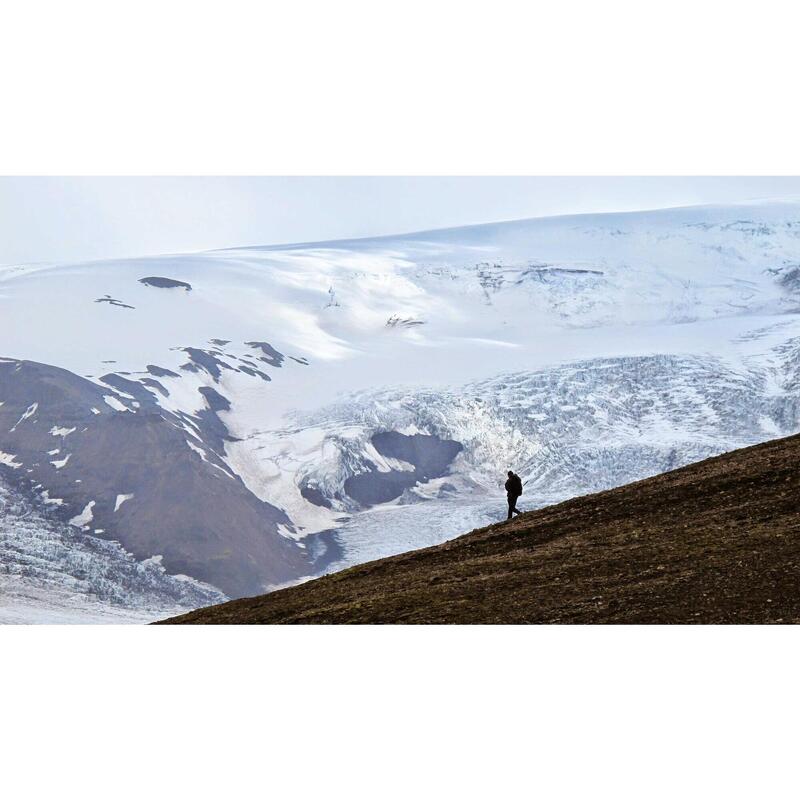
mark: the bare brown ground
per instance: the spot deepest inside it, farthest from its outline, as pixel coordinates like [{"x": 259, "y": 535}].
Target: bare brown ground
[{"x": 714, "y": 542}]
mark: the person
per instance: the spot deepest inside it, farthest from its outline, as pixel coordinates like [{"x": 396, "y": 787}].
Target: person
[{"x": 513, "y": 490}]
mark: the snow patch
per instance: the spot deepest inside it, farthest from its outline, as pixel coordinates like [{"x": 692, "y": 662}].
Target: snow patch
[
  {"x": 114, "y": 403},
  {"x": 61, "y": 463},
  {"x": 85, "y": 517},
  {"x": 51, "y": 501},
  {"x": 56, "y": 431},
  {"x": 199, "y": 450},
  {"x": 8, "y": 460},
  {"x": 29, "y": 412},
  {"x": 121, "y": 498},
  {"x": 288, "y": 533}
]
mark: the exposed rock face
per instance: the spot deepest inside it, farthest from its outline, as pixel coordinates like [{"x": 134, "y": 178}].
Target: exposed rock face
[
  {"x": 205, "y": 360},
  {"x": 426, "y": 457},
  {"x": 83, "y": 444},
  {"x": 161, "y": 372},
  {"x": 315, "y": 496},
  {"x": 52, "y": 571},
  {"x": 165, "y": 283},
  {"x": 269, "y": 354},
  {"x": 113, "y": 302}
]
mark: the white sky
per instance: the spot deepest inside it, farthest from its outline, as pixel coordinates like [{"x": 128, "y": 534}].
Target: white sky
[{"x": 77, "y": 218}]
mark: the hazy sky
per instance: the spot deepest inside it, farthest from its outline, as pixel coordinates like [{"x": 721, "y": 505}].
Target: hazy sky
[{"x": 72, "y": 218}]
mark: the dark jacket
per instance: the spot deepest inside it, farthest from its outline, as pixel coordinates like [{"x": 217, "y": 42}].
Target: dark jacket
[{"x": 514, "y": 485}]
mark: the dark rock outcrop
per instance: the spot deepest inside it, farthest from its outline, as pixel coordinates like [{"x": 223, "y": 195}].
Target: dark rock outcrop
[
  {"x": 165, "y": 283},
  {"x": 429, "y": 455},
  {"x": 269, "y": 354},
  {"x": 70, "y": 438}
]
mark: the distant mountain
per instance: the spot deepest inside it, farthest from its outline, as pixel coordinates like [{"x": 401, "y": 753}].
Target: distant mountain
[
  {"x": 714, "y": 542},
  {"x": 253, "y": 417}
]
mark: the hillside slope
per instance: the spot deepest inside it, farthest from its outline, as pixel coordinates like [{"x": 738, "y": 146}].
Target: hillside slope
[{"x": 714, "y": 542}]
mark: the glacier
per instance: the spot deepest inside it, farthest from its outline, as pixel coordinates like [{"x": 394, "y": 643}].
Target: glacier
[{"x": 313, "y": 406}]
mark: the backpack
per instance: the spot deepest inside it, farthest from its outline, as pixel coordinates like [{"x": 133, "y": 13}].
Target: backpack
[{"x": 517, "y": 483}]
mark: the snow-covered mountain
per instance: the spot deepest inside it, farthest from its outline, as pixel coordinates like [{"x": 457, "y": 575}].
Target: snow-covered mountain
[{"x": 251, "y": 417}]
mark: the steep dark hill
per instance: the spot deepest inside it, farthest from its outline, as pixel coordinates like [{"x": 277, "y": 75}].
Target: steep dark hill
[
  {"x": 121, "y": 467},
  {"x": 714, "y": 542}
]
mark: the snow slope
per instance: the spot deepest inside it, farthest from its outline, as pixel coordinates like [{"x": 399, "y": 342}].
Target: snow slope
[{"x": 583, "y": 351}]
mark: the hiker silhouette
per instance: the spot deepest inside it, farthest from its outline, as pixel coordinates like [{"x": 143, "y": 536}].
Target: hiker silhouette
[{"x": 513, "y": 490}]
